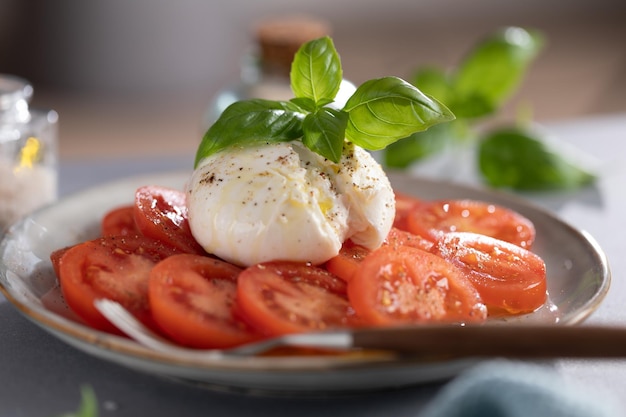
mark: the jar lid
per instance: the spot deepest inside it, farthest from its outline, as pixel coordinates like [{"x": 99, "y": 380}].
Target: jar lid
[{"x": 280, "y": 38}]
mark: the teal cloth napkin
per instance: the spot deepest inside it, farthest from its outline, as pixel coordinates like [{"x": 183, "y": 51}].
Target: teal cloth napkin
[{"x": 517, "y": 389}]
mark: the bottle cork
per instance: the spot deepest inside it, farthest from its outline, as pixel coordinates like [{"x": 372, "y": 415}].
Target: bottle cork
[{"x": 280, "y": 38}]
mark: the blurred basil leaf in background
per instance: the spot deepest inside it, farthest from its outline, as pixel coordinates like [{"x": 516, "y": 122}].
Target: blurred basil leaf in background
[
  {"x": 522, "y": 159},
  {"x": 88, "y": 406},
  {"x": 493, "y": 71},
  {"x": 475, "y": 91}
]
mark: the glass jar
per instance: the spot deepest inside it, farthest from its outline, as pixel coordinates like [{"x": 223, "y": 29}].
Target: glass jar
[
  {"x": 265, "y": 69},
  {"x": 28, "y": 152}
]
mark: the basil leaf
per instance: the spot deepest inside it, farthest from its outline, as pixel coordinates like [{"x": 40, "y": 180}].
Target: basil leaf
[
  {"x": 435, "y": 83},
  {"x": 304, "y": 103},
  {"x": 473, "y": 106},
  {"x": 403, "y": 153},
  {"x": 88, "y": 406},
  {"x": 519, "y": 160},
  {"x": 387, "y": 109},
  {"x": 252, "y": 122},
  {"x": 324, "y": 132},
  {"x": 493, "y": 70},
  {"x": 316, "y": 71}
]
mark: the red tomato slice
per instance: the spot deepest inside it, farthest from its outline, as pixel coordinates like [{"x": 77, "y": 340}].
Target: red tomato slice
[
  {"x": 119, "y": 222},
  {"x": 404, "y": 206},
  {"x": 347, "y": 261},
  {"x": 431, "y": 219},
  {"x": 55, "y": 259},
  {"x": 161, "y": 213},
  {"x": 404, "y": 285},
  {"x": 192, "y": 299},
  {"x": 287, "y": 297},
  {"x": 110, "y": 267},
  {"x": 351, "y": 255},
  {"x": 509, "y": 278},
  {"x": 398, "y": 237}
]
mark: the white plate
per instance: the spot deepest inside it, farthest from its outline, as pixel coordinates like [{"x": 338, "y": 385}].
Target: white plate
[{"x": 578, "y": 279}]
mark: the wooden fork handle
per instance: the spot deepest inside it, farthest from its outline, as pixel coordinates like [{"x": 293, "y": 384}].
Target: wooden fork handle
[{"x": 512, "y": 341}]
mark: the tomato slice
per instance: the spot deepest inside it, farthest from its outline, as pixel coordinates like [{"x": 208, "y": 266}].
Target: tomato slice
[
  {"x": 55, "y": 259},
  {"x": 398, "y": 237},
  {"x": 287, "y": 297},
  {"x": 431, "y": 219},
  {"x": 510, "y": 279},
  {"x": 119, "y": 221},
  {"x": 404, "y": 285},
  {"x": 347, "y": 261},
  {"x": 161, "y": 213},
  {"x": 404, "y": 206},
  {"x": 192, "y": 299},
  {"x": 350, "y": 256},
  {"x": 113, "y": 267}
]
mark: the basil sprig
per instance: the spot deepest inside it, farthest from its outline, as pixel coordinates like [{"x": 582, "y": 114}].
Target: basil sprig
[
  {"x": 380, "y": 112},
  {"x": 510, "y": 157},
  {"x": 477, "y": 88}
]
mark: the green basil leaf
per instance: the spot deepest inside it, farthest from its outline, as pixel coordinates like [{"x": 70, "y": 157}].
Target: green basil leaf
[
  {"x": 252, "y": 122},
  {"x": 324, "y": 132},
  {"x": 473, "y": 106},
  {"x": 494, "y": 69},
  {"x": 387, "y": 109},
  {"x": 434, "y": 82},
  {"x": 316, "y": 71},
  {"x": 304, "y": 103},
  {"x": 420, "y": 145},
  {"x": 517, "y": 159},
  {"x": 88, "y": 406}
]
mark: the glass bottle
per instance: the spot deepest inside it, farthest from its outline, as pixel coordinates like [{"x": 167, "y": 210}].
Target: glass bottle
[
  {"x": 28, "y": 152},
  {"x": 265, "y": 69}
]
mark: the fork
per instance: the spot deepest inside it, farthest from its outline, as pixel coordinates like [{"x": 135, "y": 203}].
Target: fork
[
  {"x": 127, "y": 323},
  {"x": 450, "y": 341}
]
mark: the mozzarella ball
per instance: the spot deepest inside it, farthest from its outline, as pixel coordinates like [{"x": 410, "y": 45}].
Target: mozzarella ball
[{"x": 281, "y": 201}]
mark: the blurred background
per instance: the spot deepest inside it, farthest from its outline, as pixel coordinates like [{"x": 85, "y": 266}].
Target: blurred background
[{"x": 134, "y": 78}]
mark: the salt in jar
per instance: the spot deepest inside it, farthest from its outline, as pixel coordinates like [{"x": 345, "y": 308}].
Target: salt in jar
[{"x": 28, "y": 152}]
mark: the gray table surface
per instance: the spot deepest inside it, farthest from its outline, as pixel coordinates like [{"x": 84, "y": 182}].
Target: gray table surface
[{"x": 41, "y": 375}]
